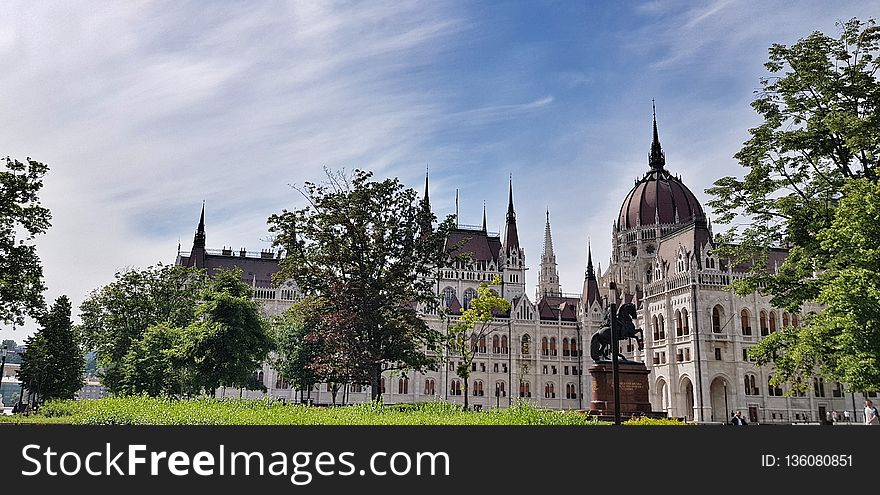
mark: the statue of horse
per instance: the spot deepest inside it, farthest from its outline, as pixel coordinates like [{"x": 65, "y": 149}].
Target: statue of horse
[{"x": 600, "y": 344}]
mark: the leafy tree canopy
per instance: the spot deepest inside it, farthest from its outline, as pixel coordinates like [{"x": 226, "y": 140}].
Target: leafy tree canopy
[
  {"x": 819, "y": 143},
  {"x": 52, "y": 366},
  {"x": 369, "y": 248},
  {"x": 22, "y": 218}
]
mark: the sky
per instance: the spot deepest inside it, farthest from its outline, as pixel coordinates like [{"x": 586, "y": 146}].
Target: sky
[{"x": 142, "y": 110}]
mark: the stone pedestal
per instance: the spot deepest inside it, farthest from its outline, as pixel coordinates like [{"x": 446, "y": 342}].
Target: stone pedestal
[{"x": 633, "y": 390}]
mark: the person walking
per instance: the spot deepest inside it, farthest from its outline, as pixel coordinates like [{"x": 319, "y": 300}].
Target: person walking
[
  {"x": 846, "y": 416},
  {"x": 738, "y": 420},
  {"x": 872, "y": 416}
]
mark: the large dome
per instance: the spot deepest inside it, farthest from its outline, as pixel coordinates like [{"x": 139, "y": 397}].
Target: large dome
[{"x": 659, "y": 197}]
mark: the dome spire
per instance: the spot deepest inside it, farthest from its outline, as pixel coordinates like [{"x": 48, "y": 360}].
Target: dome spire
[{"x": 656, "y": 159}]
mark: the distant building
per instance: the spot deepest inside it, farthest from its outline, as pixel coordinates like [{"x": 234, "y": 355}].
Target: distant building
[{"x": 91, "y": 390}]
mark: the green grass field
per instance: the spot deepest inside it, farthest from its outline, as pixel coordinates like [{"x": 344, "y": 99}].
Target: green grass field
[{"x": 204, "y": 411}]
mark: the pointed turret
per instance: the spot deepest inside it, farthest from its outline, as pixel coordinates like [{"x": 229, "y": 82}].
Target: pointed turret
[
  {"x": 484, "y": 216},
  {"x": 548, "y": 278},
  {"x": 425, "y": 214},
  {"x": 656, "y": 159},
  {"x": 197, "y": 254},
  {"x": 591, "y": 284},
  {"x": 511, "y": 236}
]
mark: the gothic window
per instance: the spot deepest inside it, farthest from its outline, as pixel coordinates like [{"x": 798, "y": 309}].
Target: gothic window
[
  {"x": 524, "y": 389},
  {"x": 750, "y": 387},
  {"x": 448, "y": 296},
  {"x": 717, "y": 315},
  {"x": 478, "y": 388},
  {"x": 773, "y": 390},
  {"x": 524, "y": 346},
  {"x": 549, "y": 392},
  {"x": 469, "y": 295},
  {"x": 566, "y": 351},
  {"x": 819, "y": 386},
  {"x": 655, "y": 327},
  {"x": 763, "y": 323},
  {"x": 684, "y": 321},
  {"x": 545, "y": 347},
  {"x": 574, "y": 348},
  {"x": 504, "y": 347},
  {"x": 403, "y": 385},
  {"x": 260, "y": 377},
  {"x": 681, "y": 263},
  {"x": 794, "y": 320},
  {"x": 784, "y": 319},
  {"x": 496, "y": 345},
  {"x": 772, "y": 321},
  {"x": 429, "y": 386},
  {"x": 679, "y": 330},
  {"x": 552, "y": 346},
  {"x": 482, "y": 347},
  {"x": 837, "y": 391},
  {"x": 745, "y": 321},
  {"x": 571, "y": 391},
  {"x": 500, "y": 389},
  {"x": 455, "y": 387},
  {"x": 662, "y": 327}
]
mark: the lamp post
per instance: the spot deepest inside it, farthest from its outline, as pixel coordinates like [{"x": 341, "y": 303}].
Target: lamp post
[
  {"x": 3, "y": 351},
  {"x": 726, "y": 407}
]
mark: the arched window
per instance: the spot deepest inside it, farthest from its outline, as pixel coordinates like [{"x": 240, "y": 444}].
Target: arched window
[
  {"x": 482, "y": 344},
  {"x": 772, "y": 321},
  {"x": 819, "y": 386},
  {"x": 500, "y": 390},
  {"x": 662, "y": 327},
  {"x": 655, "y": 327},
  {"x": 679, "y": 329},
  {"x": 496, "y": 344},
  {"x": 524, "y": 389},
  {"x": 504, "y": 347},
  {"x": 524, "y": 346},
  {"x": 448, "y": 296},
  {"x": 745, "y": 322},
  {"x": 784, "y": 319},
  {"x": 566, "y": 350},
  {"x": 684, "y": 320},
  {"x": 552, "y": 346},
  {"x": 571, "y": 391},
  {"x": 574, "y": 348},
  {"x": 403, "y": 385},
  {"x": 750, "y": 386},
  {"x": 549, "y": 392},
  {"x": 717, "y": 315},
  {"x": 794, "y": 320},
  {"x": 478, "y": 388},
  {"x": 469, "y": 295},
  {"x": 545, "y": 347},
  {"x": 429, "y": 386},
  {"x": 772, "y": 390},
  {"x": 455, "y": 387},
  {"x": 681, "y": 264},
  {"x": 763, "y": 323},
  {"x": 260, "y": 378}
]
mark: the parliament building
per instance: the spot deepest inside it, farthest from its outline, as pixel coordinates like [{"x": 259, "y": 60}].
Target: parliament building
[{"x": 697, "y": 330}]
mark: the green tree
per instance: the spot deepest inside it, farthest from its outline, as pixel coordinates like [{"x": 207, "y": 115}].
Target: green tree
[
  {"x": 229, "y": 339},
  {"x": 820, "y": 132},
  {"x": 22, "y": 218},
  {"x": 475, "y": 324},
  {"x": 153, "y": 364},
  {"x": 301, "y": 353},
  {"x": 369, "y": 248},
  {"x": 117, "y": 315},
  {"x": 52, "y": 366},
  {"x": 843, "y": 340}
]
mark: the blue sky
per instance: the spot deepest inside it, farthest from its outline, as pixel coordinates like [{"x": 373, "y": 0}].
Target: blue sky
[{"x": 144, "y": 109}]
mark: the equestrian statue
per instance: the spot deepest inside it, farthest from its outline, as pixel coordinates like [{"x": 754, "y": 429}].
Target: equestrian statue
[{"x": 600, "y": 344}]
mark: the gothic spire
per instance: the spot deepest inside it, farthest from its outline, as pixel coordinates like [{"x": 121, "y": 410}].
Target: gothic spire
[
  {"x": 425, "y": 214},
  {"x": 548, "y": 239},
  {"x": 484, "y": 216},
  {"x": 656, "y": 159},
  {"x": 591, "y": 285},
  {"x": 199, "y": 238},
  {"x": 511, "y": 237},
  {"x": 548, "y": 278},
  {"x": 591, "y": 274},
  {"x": 427, "y": 200}
]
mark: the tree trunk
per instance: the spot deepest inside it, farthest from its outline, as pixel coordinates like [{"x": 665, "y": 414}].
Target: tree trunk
[
  {"x": 375, "y": 380},
  {"x": 465, "y": 378}
]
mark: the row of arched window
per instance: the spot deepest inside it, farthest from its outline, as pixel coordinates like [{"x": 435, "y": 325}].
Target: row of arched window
[
  {"x": 569, "y": 347},
  {"x": 767, "y": 321},
  {"x": 477, "y": 388}
]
